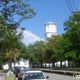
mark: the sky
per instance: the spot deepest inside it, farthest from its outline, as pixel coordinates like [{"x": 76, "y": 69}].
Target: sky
[{"x": 56, "y": 11}]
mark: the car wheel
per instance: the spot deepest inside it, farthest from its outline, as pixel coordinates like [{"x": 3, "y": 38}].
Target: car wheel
[{"x": 19, "y": 78}]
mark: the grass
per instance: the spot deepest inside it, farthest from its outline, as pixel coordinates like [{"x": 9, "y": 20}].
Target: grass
[{"x": 10, "y": 77}]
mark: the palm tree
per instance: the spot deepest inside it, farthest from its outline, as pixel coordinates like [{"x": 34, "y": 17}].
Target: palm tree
[{"x": 10, "y": 55}]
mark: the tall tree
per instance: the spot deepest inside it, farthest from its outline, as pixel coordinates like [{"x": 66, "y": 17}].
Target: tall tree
[
  {"x": 36, "y": 52},
  {"x": 49, "y": 49},
  {"x": 15, "y": 9},
  {"x": 61, "y": 48},
  {"x": 31, "y": 54},
  {"x": 40, "y": 47},
  {"x": 22, "y": 48},
  {"x": 72, "y": 31},
  {"x": 9, "y": 11}
]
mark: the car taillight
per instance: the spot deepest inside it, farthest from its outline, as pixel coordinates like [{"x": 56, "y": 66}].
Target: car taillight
[{"x": 22, "y": 74}]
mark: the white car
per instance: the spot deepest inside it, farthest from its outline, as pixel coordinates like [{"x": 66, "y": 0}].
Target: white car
[{"x": 35, "y": 75}]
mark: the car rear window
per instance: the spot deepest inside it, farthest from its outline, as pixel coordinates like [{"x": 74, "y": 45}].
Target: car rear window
[{"x": 37, "y": 75}]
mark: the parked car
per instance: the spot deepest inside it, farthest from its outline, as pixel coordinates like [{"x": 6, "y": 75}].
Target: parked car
[
  {"x": 21, "y": 73},
  {"x": 35, "y": 75},
  {"x": 17, "y": 70}
]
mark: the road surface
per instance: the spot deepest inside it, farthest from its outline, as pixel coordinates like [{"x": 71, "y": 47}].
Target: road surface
[{"x": 53, "y": 76}]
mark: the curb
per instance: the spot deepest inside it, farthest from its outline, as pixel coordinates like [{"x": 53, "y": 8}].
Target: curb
[
  {"x": 59, "y": 72},
  {"x": 63, "y": 72}
]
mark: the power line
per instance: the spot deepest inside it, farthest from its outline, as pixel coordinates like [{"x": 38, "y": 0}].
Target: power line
[
  {"x": 74, "y": 4},
  {"x": 68, "y": 6},
  {"x": 65, "y": 3},
  {"x": 71, "y": 5}
]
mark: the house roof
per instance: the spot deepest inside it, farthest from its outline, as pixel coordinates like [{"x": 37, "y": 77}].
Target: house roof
[{"x": 50, "y": 23}]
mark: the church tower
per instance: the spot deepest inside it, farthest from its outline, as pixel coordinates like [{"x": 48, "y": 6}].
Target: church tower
[{"x": 50, "y": 29}]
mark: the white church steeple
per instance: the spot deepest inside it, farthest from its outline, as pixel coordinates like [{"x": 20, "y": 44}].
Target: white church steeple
[{"x": 50, "y": 29}]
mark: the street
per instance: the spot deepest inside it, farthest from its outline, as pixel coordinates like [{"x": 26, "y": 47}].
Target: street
[{"x": 53, "y": 76}]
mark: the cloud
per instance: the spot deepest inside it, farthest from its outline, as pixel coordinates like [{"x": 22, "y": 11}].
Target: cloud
[{"x": 29, "y": 37}]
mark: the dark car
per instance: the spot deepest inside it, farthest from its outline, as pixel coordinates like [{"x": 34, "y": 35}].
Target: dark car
[
  {"x": 17, "y": 70},
  {"x": 21, "y": 73}
]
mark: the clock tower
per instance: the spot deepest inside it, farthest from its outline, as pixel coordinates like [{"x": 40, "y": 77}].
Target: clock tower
[{"x": 50, "y": 29}]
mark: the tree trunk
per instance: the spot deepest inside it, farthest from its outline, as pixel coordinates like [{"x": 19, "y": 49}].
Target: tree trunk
[
  {"x": 10, "y": 63},
  {"x": 61, "y": 64}
]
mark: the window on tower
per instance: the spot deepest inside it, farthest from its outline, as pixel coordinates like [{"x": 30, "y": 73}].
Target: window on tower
[
  {"x": 52, "y": 28},
  {"x": 48, "y": 28}
]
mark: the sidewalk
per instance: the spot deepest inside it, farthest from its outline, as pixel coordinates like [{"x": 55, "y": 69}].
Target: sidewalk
[{"x": 2, "y": 76}]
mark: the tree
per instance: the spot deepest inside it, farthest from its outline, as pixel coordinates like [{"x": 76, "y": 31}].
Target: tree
[
  {"x": 31, "y": 54},
  {"x": 49, "y": 49},
  {"x": 22, "y": 48},
  {"x": 10, "y": 35},
  {"x": 40, "y": 47},
  {"x": 10, "y": 55},
  {"x": 35, "y": 53},
  {"x": 72, "y": 31},
  {"x": 12, "y": 9},
  {"x": 62, "y": 50}
]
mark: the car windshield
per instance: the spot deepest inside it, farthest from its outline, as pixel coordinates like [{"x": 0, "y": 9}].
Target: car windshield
[
  {"x": 31, "y": 76},
  {"x": 24, "y": 70}
]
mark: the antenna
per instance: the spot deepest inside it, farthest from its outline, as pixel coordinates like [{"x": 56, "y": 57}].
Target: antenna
[{"x": 51, "y": 20}]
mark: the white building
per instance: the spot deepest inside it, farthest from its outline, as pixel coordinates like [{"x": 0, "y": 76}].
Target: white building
[
  {"x": 50, "y": 29},
  {"x": 21, "y": 63},
  {"x": 64, "y": 63},
  {"x": 47, "y": 64}
]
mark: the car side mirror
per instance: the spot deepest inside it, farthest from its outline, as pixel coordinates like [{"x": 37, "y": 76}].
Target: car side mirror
[{"x": 47, "y": 77}]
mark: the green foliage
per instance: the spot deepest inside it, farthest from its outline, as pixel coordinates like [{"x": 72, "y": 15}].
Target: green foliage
[
  {"x": 72, "y": 28},
  {"x": 22, "y": 50},
  {"x": 61, "y": 48},
  {"x": 12, "y": 8},
  {"x": 66, "y": 46},
  {"x": 35, "y": 52},
  {"x": 49, "y": 48},
  {"x": 10, "y": 33},
  {"x": 70, "y": 55}
]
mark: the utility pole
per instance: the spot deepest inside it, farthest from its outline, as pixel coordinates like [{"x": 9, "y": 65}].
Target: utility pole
[{"x": 78, "y": 11}]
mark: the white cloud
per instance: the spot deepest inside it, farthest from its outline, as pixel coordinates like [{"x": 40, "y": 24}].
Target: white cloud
[{"x": 29, "y": 37}]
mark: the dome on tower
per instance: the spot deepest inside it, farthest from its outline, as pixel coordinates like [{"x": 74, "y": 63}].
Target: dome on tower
[{"x": 50, "y": 23}]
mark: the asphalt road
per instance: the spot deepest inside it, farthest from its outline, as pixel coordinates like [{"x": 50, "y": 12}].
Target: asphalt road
[{"x": 53, "y": 76}]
